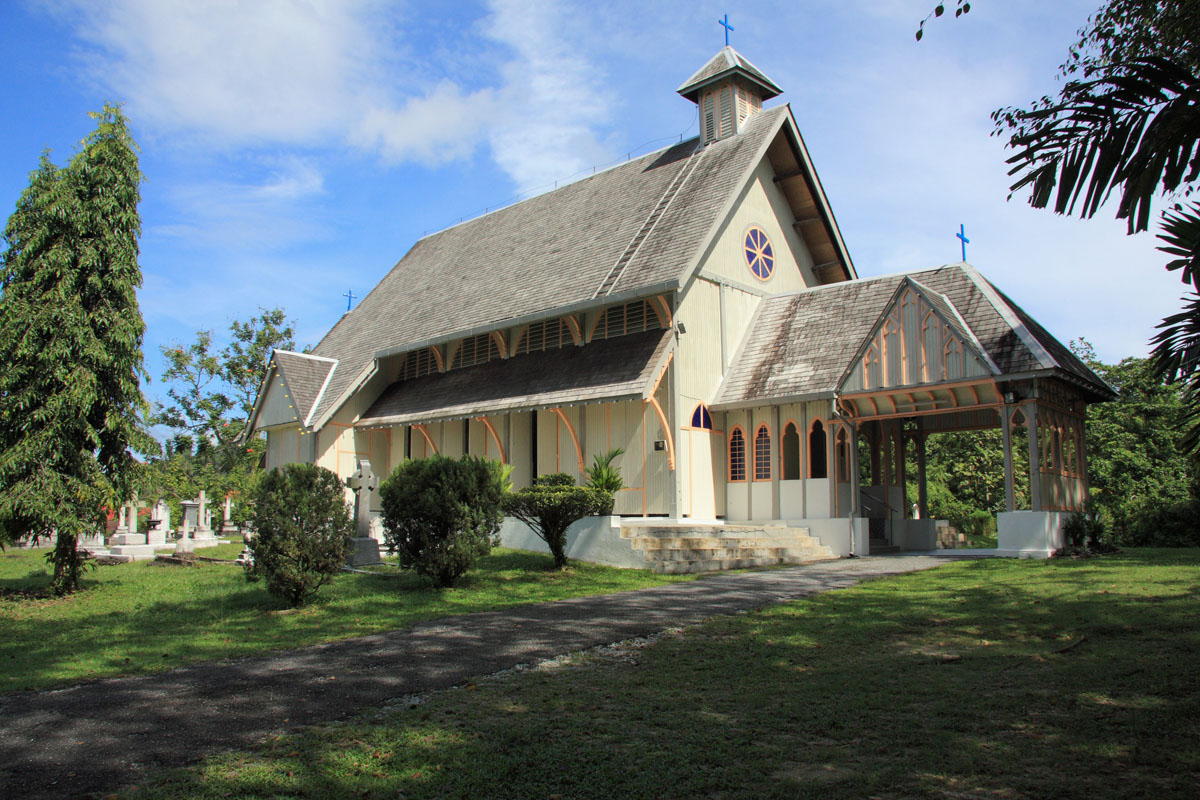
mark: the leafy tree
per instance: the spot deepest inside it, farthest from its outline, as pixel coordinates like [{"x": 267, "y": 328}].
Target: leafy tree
[
  {"x": 1139, "y": 476},
  {"x": 244, "y": 361},
  {"x": 1127, "y": 123},
  {"x": 71, "y": 341},
  {"x": 302, "y": 531},
  {"x": 551, "y": 505},
  {"x": 439, "y": 514}
]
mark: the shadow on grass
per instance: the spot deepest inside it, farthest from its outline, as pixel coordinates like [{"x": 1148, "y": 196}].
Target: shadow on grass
[{"x": 956, "y": 682}]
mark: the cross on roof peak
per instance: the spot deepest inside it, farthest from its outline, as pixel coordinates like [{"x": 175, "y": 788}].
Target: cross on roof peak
[{"x": 725, "y": 24}]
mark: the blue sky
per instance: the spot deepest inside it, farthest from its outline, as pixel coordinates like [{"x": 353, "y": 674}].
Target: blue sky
[{"x": 296, "y": 150}]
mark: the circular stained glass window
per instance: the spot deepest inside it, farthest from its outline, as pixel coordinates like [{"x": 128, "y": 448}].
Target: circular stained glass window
[{"x": 760, "y": 256}]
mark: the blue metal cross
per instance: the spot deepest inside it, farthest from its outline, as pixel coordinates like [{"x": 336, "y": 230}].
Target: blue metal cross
[
  {"x": 962, "y": 234},
  {"x": 349, "y": 295},
  {"x": 725, "y": 24}
]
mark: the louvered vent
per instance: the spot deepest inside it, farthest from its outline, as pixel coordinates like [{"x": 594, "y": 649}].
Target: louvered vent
[
  {"x": 630, "y": 318},
  {"x": 476, "y": 350},
  {"x": 418, "y": 363}
]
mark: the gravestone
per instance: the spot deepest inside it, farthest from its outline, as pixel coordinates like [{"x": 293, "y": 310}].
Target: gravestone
[
  {"x": 203, "y": 535},
  {"x": 160, "y": 523},
  {"x": 127, "y": 544},
  {"x": 227, "y": 526},
  {"x": 365, "y": 550}
]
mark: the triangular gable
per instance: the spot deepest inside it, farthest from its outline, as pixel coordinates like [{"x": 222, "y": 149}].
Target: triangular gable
[
  {"x": 292, "y": 389},
  {"x": 918, "y": 339}
]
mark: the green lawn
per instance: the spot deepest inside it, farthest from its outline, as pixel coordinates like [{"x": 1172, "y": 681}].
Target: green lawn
[
  {"x": 987, "y": 679},
  {"x": 148, "y": 617}
]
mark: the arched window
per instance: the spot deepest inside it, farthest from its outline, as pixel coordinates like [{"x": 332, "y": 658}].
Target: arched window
[
  {"x": 701, "y": 418},
  {"x": 737, "y": 455},
  {"x": 818, "y": 466},
  {"x": 790, "y": 453},
  {"x": 843, "y": 457},
  {"x": 762, "y": 453}
]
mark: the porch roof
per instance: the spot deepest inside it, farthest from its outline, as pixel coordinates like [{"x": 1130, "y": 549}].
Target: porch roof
[
  {"x": 800, "y": 345},
  {"x": 606, "y": 370}
]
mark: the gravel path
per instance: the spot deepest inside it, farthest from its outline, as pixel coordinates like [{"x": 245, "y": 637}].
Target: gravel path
[{"x": 102, "y": 735}]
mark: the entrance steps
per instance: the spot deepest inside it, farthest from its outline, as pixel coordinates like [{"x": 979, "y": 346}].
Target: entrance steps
[{"x": 682, "y": 547}]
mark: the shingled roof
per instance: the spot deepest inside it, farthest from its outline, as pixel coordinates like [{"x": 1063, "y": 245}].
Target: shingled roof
[
  {"x": 800, "y": 344},
  {"x": 606, "y": 370},
  {"x": 727, "y": 61},
  {"x": 305, "y": 376},
  {"x": 550, "y": 254}
]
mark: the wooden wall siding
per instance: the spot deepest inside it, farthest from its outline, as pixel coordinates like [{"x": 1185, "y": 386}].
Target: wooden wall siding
[
  {"x": 762, "y": 203},
  {"x": 278, "y": 407},
  {"x": 914, "y": 345}
]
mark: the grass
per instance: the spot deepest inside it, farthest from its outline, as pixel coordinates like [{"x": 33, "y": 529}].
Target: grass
[
  {"x": 996, "y": 679},
  {"x": 146, "y": 617}
]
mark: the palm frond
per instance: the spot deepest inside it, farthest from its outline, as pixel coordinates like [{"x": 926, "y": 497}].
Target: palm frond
[{"x": 1134, "y": 130}]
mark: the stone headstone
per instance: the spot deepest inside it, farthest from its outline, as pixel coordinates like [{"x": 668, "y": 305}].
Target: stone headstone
[
  {"x": 160, "y": 523},
  {"x": 191, "y": 517},
  {"x": 227, "y": 525},
  {"x": 365, "y": 549},
  {"x": 203, "y": 535},
  {"x": 127, "y": 533}
]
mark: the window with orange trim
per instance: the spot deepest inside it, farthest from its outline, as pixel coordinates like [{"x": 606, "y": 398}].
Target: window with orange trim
[
  {"x": 701, "y": 418},
  {"x": 762, "y": 453},
  {"x": 789, "y": 457},
  {"x": 737, "y": 455},
  {"x": 818, "y": 461}
]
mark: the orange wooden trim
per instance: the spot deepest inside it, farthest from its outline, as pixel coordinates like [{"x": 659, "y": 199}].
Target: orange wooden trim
[
  {"x": 428, "y": 441},
  {"x": 574, "y": 437},
  {"x": 932, "y": 412},
  {"x": 729, "y": 455},
  {"x": 658, "y": 380},
  {"x": 595, "y": 324},
  {"x": 573, "y": 324},
  {"x": 662, "y": 310},
  {"x": 488, "y": 424},
  {"x": 437, "y": 356},
  {"x": 662, "y": 419},
  {"x": 498, "y": 338}
]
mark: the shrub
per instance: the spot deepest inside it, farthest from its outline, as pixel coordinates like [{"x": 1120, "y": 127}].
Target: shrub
[
  {"x": 551, "y": 505},
  {"x": 439, "y": 514},
  {"x": 302, "y": 529},
  {"x": 1085, "y": 529},
  {"x": 604, "y": 476},
  {"x": 1171, "y": 524}
]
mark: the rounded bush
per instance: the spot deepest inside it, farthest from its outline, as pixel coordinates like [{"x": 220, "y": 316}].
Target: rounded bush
[
  {"x": 302, "y": 531},
  {"x": 551, "y": 505},
  {"x": 439, "y": 514}
]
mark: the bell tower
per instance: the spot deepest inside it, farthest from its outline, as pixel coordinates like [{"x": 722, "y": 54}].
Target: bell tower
[{"x": 727, "y": 90}]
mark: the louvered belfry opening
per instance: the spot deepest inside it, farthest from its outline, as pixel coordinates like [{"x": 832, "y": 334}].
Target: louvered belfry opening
[{"x": 727, "y": 90}]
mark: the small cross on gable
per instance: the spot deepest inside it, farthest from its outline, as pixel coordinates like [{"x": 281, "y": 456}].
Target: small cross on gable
[
  {"x": 349, "y": 295},
  {"x": 962, "y": 234}
]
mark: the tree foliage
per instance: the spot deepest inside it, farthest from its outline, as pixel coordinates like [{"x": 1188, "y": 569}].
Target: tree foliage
[
  {"x": 302, "y": 531},
  {"x": 71, "y": 405},
  {"x": 1127, "y": 124},
  {"x": 552, "y": 504},
  {"x": 439, "y": 514}
]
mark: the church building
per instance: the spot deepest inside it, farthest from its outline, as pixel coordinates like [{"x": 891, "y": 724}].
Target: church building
[{"x": 698, "y": 308}]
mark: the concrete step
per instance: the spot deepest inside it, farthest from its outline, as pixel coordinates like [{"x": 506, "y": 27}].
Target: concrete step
[
  {"x": 878, "y": 546},
  {"x": 720, "y": 553},
  {"x": 700, "y": 542},
  {"x": 709, "y": 531},
  {"x": 716, "y": 565}
]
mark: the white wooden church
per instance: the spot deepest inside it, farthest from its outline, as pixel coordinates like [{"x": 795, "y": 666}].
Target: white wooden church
[{"x": 698, "y": 308}]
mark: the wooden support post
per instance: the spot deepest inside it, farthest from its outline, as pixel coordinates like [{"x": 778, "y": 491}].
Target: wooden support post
[
  {"x": 776, "y": 464},
  {"x": 922, "y": 483},
  {"x": 876, "y": 440},
  {"x": 902, "y": 468},
  {"x": 1006, "y": 426},
  {"x": 855, "y": 508},
  {"x": 1035, "y": 460}
]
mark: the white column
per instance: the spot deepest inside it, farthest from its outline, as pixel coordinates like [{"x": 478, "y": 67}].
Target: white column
[{"x": 1035, "y": 464}]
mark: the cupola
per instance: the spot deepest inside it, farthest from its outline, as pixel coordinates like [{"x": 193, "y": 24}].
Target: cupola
[{"x": 727, "y": 90}]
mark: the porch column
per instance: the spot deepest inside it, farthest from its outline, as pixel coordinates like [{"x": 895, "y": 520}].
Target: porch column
[
  {"x": 831, "y": 464},
  {"x": 902, "y": 468},
  {"x": 776, "y": 463},
  {"x": 875, "y": 438},
  {"x": 852, "y": 444},
  {"x": 1006, "y": 427},
  {"x": 1035, "y": 462},
  {"x": 922, "y": 485}
]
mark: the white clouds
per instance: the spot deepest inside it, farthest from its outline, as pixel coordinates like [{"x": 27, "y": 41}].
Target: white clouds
[
  {"x": 235, "y": 74},
  {"x": 442, "y": 126},
  {"x": 554, "y": 100}
]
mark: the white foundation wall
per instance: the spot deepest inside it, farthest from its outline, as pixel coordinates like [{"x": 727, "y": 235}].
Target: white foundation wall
[
  {"x": 1030, "y": 534},
  {"x": 594, "y": 539}
]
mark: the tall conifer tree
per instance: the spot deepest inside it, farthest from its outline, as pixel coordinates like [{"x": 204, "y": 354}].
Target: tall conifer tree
[{"x": 71, "y": 343}]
